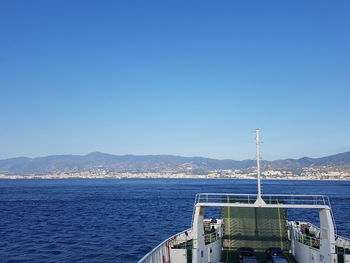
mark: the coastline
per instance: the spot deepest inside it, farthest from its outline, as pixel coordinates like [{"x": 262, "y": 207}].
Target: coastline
[{"x": 166, "y": 176}]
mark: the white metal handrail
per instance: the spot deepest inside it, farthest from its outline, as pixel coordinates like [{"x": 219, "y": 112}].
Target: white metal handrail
[
  {"x": 268, "y": 198},
  {"x": 211, "y": 237},
  {"x": 342, "y": 242},
  {"x": 156, "y": 254},
  {"x": 309, "y": 240}
]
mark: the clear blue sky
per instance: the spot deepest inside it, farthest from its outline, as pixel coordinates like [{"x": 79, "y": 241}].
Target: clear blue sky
[{"x": 192, "y": 78}]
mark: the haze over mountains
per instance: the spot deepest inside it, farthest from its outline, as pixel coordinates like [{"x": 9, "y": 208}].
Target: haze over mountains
[{"x": 150, "y": 163}]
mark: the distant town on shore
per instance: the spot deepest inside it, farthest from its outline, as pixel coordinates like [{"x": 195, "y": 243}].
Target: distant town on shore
[{"x": 101, "y": 165}]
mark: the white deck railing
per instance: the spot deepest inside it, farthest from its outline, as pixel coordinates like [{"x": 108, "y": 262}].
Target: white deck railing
[
  {"x": 342, "y": 242},
  {"x": 162, "y": 251},
  {"x": 268, "y": 198}
]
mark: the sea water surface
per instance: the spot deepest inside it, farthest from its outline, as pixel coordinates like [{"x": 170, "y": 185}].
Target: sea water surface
[{"x": 120, "y": 220}]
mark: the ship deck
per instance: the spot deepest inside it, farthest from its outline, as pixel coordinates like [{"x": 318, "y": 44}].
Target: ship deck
[{"x": 231, "y": 257}]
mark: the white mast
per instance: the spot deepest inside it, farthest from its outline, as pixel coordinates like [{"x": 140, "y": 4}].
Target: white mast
[
  {"x": 259, "y": 200},
  {"x": 257, "y": 142}
]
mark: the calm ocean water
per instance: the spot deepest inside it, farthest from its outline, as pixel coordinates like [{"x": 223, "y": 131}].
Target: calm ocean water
[{"x": 110, "y": 220}]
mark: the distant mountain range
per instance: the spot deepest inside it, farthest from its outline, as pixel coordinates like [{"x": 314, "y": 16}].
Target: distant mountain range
[{"x": 150, "y": 163}]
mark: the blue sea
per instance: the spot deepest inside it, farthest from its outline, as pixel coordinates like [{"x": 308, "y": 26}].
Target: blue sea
[{"x": 120, "y": 220}]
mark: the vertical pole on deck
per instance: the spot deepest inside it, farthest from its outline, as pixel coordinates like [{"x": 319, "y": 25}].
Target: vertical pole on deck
[
  {"x": 257, "y": 142},
  {"x": 259, "y": 201}
]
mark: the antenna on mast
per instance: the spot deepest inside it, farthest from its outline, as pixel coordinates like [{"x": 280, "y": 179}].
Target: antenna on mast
[{"x": 259, "y": 200}]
